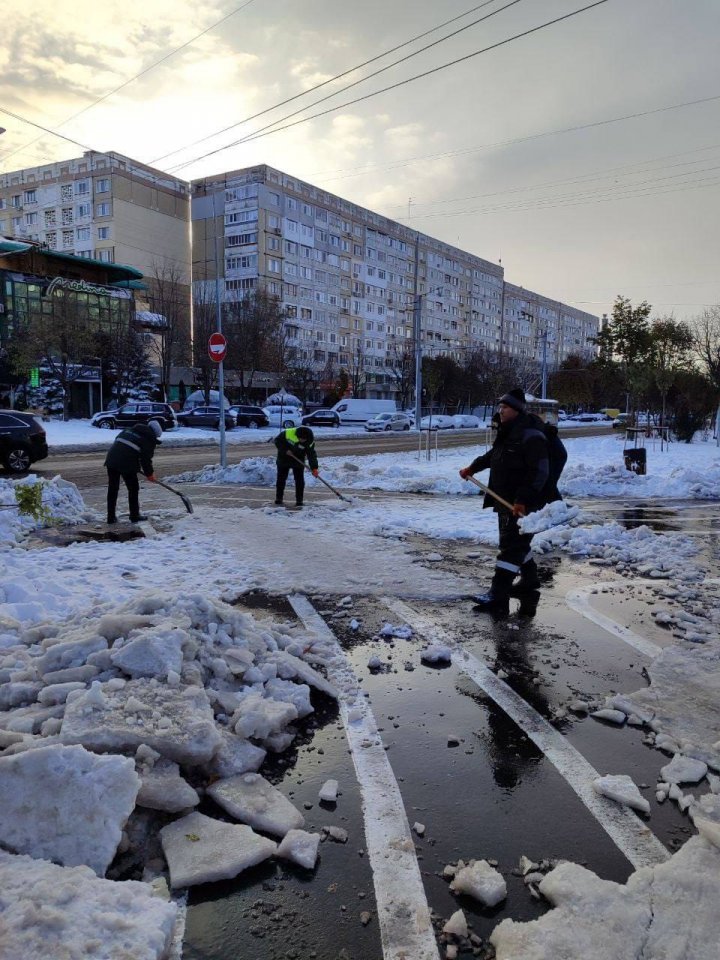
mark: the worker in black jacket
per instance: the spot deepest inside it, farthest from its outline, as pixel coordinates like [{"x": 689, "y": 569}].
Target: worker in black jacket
[
  {"x": 131, "y": 452},
  {"x": 519, "y": 473},
  {"x": 293, "y": 446}
]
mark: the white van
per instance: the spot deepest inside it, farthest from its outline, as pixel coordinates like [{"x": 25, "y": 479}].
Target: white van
[
  {"x": 284, "y": 416},
  {"x": 360, "y": 411}
]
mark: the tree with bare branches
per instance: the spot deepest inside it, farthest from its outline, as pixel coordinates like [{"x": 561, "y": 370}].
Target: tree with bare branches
[{"x": 169, "y": 300}]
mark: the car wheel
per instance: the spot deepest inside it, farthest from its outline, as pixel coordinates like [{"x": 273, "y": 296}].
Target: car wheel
[
  {"x": 18, "y": 460},
  {"x": 108, "y": 424},
  {"x": 387, "y": 428},
  {"x": 336, "y": 423},
  {"x": 406, "y": 427},
  {"x": 253, "y": 424},
  {"x": 288, "y": 424}
]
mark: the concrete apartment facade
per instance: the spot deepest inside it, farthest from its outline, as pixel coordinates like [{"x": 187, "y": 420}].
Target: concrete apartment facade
[
  {"x": 349, "y": 278},
  {"x": 100, "y": 206}
]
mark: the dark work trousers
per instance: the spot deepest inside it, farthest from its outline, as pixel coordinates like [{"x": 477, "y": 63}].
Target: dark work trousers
[
  {"x": 133, "y": 488},
  {"x": 515, "y": 549},
  {"x": 298, "y": 471}
]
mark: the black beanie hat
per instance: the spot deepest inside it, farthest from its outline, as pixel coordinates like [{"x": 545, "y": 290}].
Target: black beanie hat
[
  {"x": 304, "y": 433},
  {"x": 515, "y": 399}
]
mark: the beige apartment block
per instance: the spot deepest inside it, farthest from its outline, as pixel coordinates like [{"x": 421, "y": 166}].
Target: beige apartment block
[
  {"x": 351, "y": 278},
  {"x": 101, "y": 206}
]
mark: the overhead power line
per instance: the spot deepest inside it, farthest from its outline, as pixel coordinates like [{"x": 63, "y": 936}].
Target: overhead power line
[
  {"x": 39, "y": 126},
  {"x": 264, "y": 133},
  {"x": 125, "y": 83},
  {"x": 346, "y": 73}
]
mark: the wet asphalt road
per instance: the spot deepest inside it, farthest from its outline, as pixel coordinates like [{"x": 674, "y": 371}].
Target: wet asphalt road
[{"x": 494, "y": 795}]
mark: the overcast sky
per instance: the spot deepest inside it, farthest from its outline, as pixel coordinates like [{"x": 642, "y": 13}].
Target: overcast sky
[{"x": 628, "y": 207}]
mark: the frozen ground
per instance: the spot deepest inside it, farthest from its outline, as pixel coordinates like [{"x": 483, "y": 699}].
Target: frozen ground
[{"x": 128, "y": 648}]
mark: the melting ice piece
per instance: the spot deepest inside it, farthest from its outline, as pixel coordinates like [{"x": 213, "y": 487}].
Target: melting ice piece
[
  {"x": 481, "y": 881},
  {"x": 620, "y": 787},
  {"x": 300, "y": 847},
  {"x": 250, "y": 798},
  {"x": 199, "y": 849},
  {"x": 436, "y": 653},
  {"x": 684, "y": 770},
  {"x": 328, "y": 791}
]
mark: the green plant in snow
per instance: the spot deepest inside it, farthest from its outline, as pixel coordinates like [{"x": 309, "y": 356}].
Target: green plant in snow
[{"x": 29, "y": 500}]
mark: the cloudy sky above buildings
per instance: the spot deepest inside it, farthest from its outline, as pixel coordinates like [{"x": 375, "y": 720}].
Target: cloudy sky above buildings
[{"x": 472, "y": 154}]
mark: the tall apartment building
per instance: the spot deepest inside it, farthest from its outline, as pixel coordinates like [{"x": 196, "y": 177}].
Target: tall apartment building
[
  {"x": 101, "y": 206},
  {"x": 349, "y": 279}
]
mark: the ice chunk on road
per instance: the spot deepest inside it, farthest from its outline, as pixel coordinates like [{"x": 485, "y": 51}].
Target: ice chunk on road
[
  {"x": 620, "y": 787},
  {"x": 684, "y": 770},
  {"x": 251, "y": 799},
  {"x": 612, "y": 716},
  {"x": 235, "y": 756},
  {"x": 705, "y": 814},
  {"x": 66, "y": 804},
  {"x": 552, "y": 515},
  {"x": 436, "y": 653},
  {"x": 402, "y": 632},
  {"x": 288, "y": 692},
  {"x": 164, "y": 789},
  {"x": 300, "y": 847},
  {"x": 456, "y": 925},
  {"x": 258, "y": 717},
  {"x": 329, "y": 791},
  {"x": 51, "y": 911},
  {"x": 155, "y": 653},
  {"x": 199, "y": 849},
  {"x": 178, "y": 722},
  {"x": 289, "y": 667},
  {"x": 481, "y": 881}
]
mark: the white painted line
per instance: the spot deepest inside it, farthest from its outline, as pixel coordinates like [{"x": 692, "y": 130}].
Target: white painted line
[
  {"x": 579, "y": 601},
  {"x": 176, "y": 946},
  {"x": 403, "y": 912},
  {"x": 631, "y": 836}
]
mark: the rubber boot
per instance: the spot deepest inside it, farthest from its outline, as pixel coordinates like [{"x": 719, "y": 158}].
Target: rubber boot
[
  {"x": 529, "y": 580},
  {"x": 497, "y": 599},
  {"x": 529, "y": 604},
  {"x": 139, "y": 519}
]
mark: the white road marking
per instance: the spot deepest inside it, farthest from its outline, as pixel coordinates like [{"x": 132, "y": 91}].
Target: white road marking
[
  {"x": 403, "y": 913},
  {"x": 632, "y": 837},
  {"x": 176, "y": 946},
  {"x": 579, "y": 600}
]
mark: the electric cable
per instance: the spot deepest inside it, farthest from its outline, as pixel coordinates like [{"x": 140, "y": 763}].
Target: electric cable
[
  {"x": 355, "y": 83},
  {"x": 264, "y": 133}
]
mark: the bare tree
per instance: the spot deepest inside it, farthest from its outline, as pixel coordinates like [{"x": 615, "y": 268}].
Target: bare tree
[
  {"x": 254, "y": 326},
  {"x": 302, "y": 375},
  {"x": 400, "y": 366},
  {"x": 706, "y": 345},
  {"x": 169, "y": 299},
  {"x": 357, "y": 372}
]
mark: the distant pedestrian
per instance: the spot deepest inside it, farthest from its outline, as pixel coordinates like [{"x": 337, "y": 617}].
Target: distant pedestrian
[
  {"x": 519, "y": 473},
  {"x": 293, "y": 445},
  {"x": 131, "y": 452}
]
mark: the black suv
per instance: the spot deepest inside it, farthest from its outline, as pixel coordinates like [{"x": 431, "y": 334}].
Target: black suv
[
  {"x": 205, "y": 417},
  {"x": 322, "y": 418},
  {"x": 247, "y": 416},
  {"x": 137, "y": 411},
  {"x": 22, "y": 440}
]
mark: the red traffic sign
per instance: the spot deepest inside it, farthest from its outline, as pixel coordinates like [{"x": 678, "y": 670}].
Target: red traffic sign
[{"x": 217, "y": 347}]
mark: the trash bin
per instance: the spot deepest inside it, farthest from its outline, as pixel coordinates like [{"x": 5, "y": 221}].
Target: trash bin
[{"x": 636, "y": 461}]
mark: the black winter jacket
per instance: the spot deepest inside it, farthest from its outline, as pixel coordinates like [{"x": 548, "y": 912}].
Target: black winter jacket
[
  {"x": 518, "y": 462},
  {"x": 133, "y": 450},
  {"x": 287, "y": 442}
]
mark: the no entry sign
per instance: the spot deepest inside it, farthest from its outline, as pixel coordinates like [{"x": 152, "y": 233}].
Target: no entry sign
[{"x": 217, "y": 347}]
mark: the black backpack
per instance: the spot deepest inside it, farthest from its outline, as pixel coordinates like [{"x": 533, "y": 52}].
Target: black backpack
[{"x": 557, "y": 455}]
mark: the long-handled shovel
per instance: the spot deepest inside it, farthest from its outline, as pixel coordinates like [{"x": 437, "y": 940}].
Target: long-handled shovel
[
  {"x": 185, "y": 500},
  {"x": 328, "y": 485},
  {"x": 492, "y": 493}
]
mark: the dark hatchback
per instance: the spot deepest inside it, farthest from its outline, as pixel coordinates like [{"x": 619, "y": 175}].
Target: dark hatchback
[
  {"x": 205, "y": 417},
  {"x": 141, "y": 411},
  {"x": 22, "y": 440},
  {"x": 248, "y": 416},
  {"x": 322, "y": 418}
]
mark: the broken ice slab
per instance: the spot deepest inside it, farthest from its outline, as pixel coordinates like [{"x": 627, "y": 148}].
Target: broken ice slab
[
  {"x": 199, "y": 849},
  {"x": 300, "y": 847},
  {"x": 164, "y": 789},
  {"x": 66, "y": 804},
  {"x": 480, "y": 881},
  {"x": 620, "y": 787},
  {"x": 251, "y": 799},
  {"x": 69, "y": 906},
  {"x": 684, "y": 770},
  {"x": 328, "y": 791},
  {"x": 178, "y": 722}
]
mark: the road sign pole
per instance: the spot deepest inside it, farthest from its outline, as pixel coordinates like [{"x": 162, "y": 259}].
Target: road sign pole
[{"x": 218, "y": 310}]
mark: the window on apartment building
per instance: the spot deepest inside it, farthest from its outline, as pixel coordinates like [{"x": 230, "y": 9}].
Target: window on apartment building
[
  {"x": 16, "y": 200},
  {"x": 273, "y": 222},
  {"x": 291, "y": 226},
  {"x": 51, "y": 239},
  {"x": 83, "y": 210},
  {"x": 308, "y": 210},
  {"x": 16, "y": 222},
  {"x": 274, "y": 198},
  {"x": 241, "y": 239},
  {"x": 101, "y": 210},
  {"x": 305, "y": 313},
  {"x": 290, "y": 269},
  {"x": 291, "y": 203},
  {"x": 345, "y": 246},
  {"x": 291, "y": 289},
  {"x": 319, "y": 334},
  {"x": 291, "y": 311},
  {"x": 345, "y": 265},
  {"x": 102, "y": 185},
  {"x": 31, "y": 219},
  {"x": 273, "y": 265},
  {"x": 3, "y": 203},
  {"x": 319, "y": 355},
  {"x": 82, "y": 188},
  {"x": 273, "y": 243},
  {"x": 30, "y": 196},
  {"x": 291, "y": 248},
  {"x": 103, "y": 233},
  {"x": 106, "y": 256},
  {"x": 83, "y": 233},
  {"x": 66, "y": 192},
  {"x": 247, "y": 261},
  {"x": 275, "y": 288},
  {"x": 243, "y": 284}
]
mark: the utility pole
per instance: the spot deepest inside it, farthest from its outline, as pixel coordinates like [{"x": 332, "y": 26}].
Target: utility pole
[
  {"x": 218, "y": 314},
  {"x": 417, "y": 332}
]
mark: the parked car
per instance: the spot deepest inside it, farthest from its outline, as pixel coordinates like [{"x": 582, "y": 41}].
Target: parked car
[
  {"x": 466, "y": 421},
  {"x": 205, "y": 417},
  {"x": 22, "y": 440},
  {"x": 388, "y": 421},
  {"x": 137, "y": 411},
  {"x": 438, "y": 421},
  {"x": 283, "y": 416},
  {"x": 589, "y": 417},
  {"x": 247, "y": 416},
  {"x": 620, "y": 421},
  {"x": 321, "y": 418}
]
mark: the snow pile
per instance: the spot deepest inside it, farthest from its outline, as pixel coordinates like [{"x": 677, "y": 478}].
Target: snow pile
[
  {"x": 254, "y": 471},
  {"x": 51, "y": 911},
  {"x": 553, "y": 515},
  {"x": 666, "y": 911},
  {"x": 61, "y": 501},
  {"x": 613, "y": 480}
]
